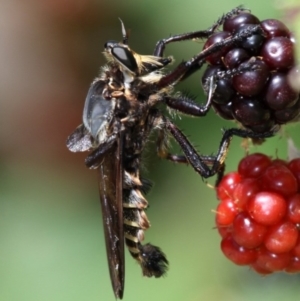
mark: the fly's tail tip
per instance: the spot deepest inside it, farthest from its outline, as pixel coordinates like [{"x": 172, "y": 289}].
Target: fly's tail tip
[{"x": 153, "y": 261}]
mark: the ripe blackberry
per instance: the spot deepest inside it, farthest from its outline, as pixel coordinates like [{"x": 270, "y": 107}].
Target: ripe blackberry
[
  {"x": 258, "y": 216},
  {"x": 261, "y": 97}
]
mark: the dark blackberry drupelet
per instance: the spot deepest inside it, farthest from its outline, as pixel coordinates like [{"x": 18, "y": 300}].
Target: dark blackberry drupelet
[{"x": 261, "y": 97}]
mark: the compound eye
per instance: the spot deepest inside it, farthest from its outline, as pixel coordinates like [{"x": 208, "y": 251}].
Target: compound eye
[
  {"x": 110, "y": 44},
  {"x": 125, "y": 57}
]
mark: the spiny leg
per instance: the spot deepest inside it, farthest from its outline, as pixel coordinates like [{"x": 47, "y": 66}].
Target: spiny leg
[
  {"x": 160, "y": 45},
  {"x": 153, "y": 67},
  {"x": 162, "y": 151},
  {"x": 196, "y": 160},
  {"x": 94, "y": 158},
  {"x": 197, "y": 61},
  {"x": 188, "y": 106}
]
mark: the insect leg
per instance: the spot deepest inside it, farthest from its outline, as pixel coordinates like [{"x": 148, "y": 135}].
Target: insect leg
[
  {"x": 162, "y": 151},
  {"x": 216, "y": 163},
  {"x": 164, "y": 62},
  {"x": 160, "y": 45},
  {"x": 94, "y": 158},
  {"x": 187, "y": 67},
  {"x": 188, "y": 106}
]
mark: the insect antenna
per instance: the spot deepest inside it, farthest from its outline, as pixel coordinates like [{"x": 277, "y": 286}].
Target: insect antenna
[{"x": 124, "y": 32}]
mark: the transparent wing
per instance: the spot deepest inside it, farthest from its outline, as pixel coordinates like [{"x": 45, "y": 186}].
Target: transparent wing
[
  {"x": 79, "y": 140},
  {"x": 111, "y": 188},
  {"x": 97, "y": 109}
]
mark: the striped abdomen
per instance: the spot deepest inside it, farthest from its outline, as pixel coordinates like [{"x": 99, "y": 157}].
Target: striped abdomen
[{"x": 151, "y": 258}]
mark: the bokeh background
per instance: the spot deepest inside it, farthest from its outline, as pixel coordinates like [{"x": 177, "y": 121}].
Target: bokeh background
[{"x": 52, "y": 244}]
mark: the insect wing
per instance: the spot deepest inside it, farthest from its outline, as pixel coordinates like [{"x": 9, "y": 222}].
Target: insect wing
[
  {"x": 111, "y": 187},
  {"x": 79, "y": 140},
  {"x": 97, "y": 109}
]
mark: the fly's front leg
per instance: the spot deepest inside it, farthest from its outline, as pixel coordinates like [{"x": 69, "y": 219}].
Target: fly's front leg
[
  {"x": 161, "y": 45},
  {"x": 187, "y": 67}
]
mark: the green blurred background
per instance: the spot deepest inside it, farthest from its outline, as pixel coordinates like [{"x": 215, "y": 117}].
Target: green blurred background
[{"x": 52, "y": 244}]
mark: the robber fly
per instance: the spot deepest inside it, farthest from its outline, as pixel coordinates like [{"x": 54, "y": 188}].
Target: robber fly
[{"x": 121, "y": 110}]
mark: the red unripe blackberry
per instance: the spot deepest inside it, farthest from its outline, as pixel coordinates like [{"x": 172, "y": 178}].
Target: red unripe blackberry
[{"x": 258, "y": 216}]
